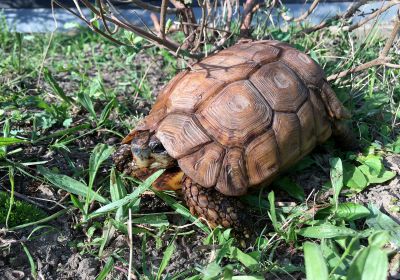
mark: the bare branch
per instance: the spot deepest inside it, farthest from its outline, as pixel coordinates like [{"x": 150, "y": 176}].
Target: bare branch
[
  {"x": 247, "y": 17},
  {"x": 167, "y": 43},
  {"x": 147, "y": 6},
  {"x": 392, "y": 36},
  {"x": 163, "y": 12},
  {"x": 372, "y": 16},
  {"x": 346, "y": 15},
  {"x": 383, "y": 58},
  {"x": 304, "y": 15}
]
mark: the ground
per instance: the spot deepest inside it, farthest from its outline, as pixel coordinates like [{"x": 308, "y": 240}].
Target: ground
[{"x": 82, "y": 92}]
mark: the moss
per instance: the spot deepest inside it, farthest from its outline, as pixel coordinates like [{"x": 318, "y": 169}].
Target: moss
[{"x": 21, "y": 213}]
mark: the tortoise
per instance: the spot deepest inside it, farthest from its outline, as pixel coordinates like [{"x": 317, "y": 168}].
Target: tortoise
[{"x": 233, "y": 122}]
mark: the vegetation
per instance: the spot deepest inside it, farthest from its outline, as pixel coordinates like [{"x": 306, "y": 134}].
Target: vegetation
[{"x": 67, "y": 99}]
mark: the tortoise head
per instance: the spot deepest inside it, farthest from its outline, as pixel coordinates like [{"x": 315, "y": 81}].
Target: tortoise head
[{"x": 141, "y": 154}]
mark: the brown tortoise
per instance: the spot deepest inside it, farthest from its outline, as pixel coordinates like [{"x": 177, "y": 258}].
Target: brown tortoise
[{"x": 234, "y": 121}]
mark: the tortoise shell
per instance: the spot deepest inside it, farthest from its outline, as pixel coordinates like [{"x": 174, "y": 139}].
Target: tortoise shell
[{"x": 238, "y": 118}]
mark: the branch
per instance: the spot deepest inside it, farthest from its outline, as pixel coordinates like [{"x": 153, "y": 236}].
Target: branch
[
  {"x": 346, "y": 15},
  {"x": 371, "y": 16},
  {"x": 303, "y": 16},
  {"x": 167, "y": 43},
  {"x": 147, "y": 6},
  {"x": 247, "y": 17},
  {"x": 163, "y": 12},
  {"x": 383, "y": 58}
]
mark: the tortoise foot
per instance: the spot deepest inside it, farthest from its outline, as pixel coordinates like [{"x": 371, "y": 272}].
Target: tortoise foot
[{"x": 216, "y": 208}]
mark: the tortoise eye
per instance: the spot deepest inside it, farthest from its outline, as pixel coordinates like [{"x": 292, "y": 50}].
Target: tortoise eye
[{"x": 156, "y": 147}]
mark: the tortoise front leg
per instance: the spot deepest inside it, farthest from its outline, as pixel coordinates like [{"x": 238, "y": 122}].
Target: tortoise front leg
[{"x": 213, "y": 206}]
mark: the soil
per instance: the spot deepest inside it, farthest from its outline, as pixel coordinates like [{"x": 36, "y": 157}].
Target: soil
[{"x": 57, "y": 253}]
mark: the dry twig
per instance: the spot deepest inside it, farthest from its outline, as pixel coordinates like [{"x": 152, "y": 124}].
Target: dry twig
[
  {"x": 382, "y": 59},
  {"x": 303, "y": 16}
]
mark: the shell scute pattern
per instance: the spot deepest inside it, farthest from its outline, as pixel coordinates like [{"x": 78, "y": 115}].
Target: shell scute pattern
[
  {"x": 180, "y": 135},
  {"x": 225, "y": 67},
  {"x": 236, "y": 114},
  {"x": 280, "y": 87},
  {"x": 191, "y": 91},
  {"x": 259, "y": 53},
  {"x": 248, "y": 113}
]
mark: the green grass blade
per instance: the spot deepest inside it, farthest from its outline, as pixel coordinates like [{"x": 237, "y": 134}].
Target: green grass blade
[
  {"x": 45, "y": 220},
  {"x": 336, "y": 178},
  {"x": 117, "y": 189},
  {"x": 12, "y": 183},
  {"x": 291, "y": 187},
  {"x": 316, "y": 268},
  {"x": 56, "y": 87},
  {"x": 182, "y": 210},
  {"x": 166, "y": 258},
  {"x": 381, "y": 221},
  {"x": 86, "y": 102},
  {"x": 70, "y": 185},
  {"x": 106, "y": 111},
  {"x": 31, "y": 261},
  {"x": 129, "y": 198},
  {"x": 6, "y": 141},
  {"x": 99, "y": 154},
  {"x": 247, "y": 260},
  {"x": 106, "y": 269},
  {"x": 272, "y": 211}
]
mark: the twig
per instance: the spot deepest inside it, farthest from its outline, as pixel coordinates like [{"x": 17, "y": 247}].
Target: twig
[
  {"x": 164, "y": 5},
  {"x": 27, "y": 199},
  {"x": 167, "y": 43},
  {"x": 203, "y": 24},
  {"x": 147, "y": 6},
  {"x": 382, "y": 59},
  {"x": 247, "y": 17},
  {"x": 371, "y": 16},
  {"x": 346, "y": 15},
  {"x": 304, "y": 15}
]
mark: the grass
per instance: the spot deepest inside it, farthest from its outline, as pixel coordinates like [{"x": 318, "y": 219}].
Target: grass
[{"x": 67, "y": 99}]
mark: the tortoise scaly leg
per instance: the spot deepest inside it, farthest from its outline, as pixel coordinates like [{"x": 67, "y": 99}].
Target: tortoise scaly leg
[{"x": 215, "y": 207}]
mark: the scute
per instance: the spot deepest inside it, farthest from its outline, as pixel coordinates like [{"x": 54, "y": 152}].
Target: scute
[
  {"x": 191, "y": 90},
  {"x": 304, "y": 66},
  {"x": 322, "y": 125},
  {"x": 307, "y": 127},
  {"x": 233, "y": 178},
  {"x": 180, "y": 135},
  {"x": 262, "y": 158},
  {"x": 203, "y": 166},
  {"x": 288, "y": 135},
  {"x": 225, "y": 68},
  {"x": 236, "y": 114},
  {"x": 258, "y": 53},
  {"x": 159, "y": 109},
  {"x": 280, "y": 86}
]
